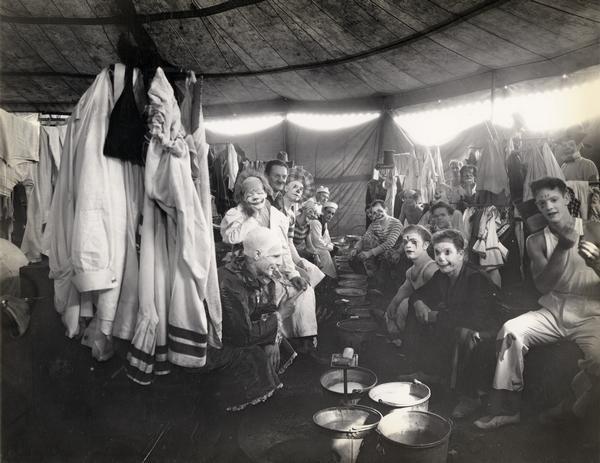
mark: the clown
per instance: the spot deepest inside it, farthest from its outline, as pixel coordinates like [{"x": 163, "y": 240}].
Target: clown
[{"x": 295, "y": 298}]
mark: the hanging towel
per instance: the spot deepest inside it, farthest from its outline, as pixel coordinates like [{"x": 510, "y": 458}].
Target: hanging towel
[
  {"x": 438, "y": 165},
  {"x": 232, "y": 165},
  {"x": 426, "y": 176},
  {"x": 39, "y": 197},
  {"x": 19, "y": 139}
]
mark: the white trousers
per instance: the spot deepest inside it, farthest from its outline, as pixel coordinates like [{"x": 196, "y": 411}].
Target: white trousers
[
  {"x": 297, "y": 310},
  {"x": 538, "y": 327}
]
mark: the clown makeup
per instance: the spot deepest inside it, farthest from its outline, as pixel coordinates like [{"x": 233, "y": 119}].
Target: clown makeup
[
  {"x": 254, "y": 193},
  {"x": 328, "y": 213},
  {"x": 448, "y": 258},
  {"x": 552, "y": 204},
  {"x": 414, "y": 246},
  {"x": 378, "y": 212},
  {"x": 294, "y": 190}
]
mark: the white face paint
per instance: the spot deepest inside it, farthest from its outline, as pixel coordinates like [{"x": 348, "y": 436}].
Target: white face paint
[
  {"x": 294, "y": 190},
  {"x": 377, "y": 212},
  {"x": 254, "y": 193},
  {"x": 448, "y": 258},
  {"x": 552, "y": 204},
  {"x": 328, "y": 213},
  {"x": 414, "y": 246}
]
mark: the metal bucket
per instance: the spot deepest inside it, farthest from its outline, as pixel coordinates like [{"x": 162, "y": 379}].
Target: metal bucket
[
  {"x": 359, "y": 381},
  {"x": 346, "y": 427},
  {"x": 414, "y": 436},
  {"x": 356, "y": 332},
  {"x": 402, "y": 395}
]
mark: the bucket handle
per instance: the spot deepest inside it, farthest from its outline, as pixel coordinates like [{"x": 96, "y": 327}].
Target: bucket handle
[{"x": 365, "y": 427}]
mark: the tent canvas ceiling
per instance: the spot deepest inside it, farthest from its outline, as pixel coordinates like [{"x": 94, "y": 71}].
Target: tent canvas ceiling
[{"x": 253, "y": 51}]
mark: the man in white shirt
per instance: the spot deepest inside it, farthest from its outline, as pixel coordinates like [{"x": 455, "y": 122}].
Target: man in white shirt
[{"x": 319, "y": 242}]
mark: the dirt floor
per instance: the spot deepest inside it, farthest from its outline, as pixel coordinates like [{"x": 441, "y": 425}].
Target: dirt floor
[{"x": 59, "y": 405}]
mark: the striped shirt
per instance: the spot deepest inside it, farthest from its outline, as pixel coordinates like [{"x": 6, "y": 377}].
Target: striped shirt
[
  {"x": 385, "y": 232},
  {"x": 300, "y": 233}
]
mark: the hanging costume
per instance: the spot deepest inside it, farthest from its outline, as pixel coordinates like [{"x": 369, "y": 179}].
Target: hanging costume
[
  {"x": 192, "y": 120},
  {"x": 540, "y": 163},
  {"x": 91, "y": 228},
  {"x": 39, "y": 198},
  {"x": 174, "y": 265}
]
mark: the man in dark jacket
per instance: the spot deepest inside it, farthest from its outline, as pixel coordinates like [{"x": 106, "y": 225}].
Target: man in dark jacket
[{"x": 457, "y": 314}]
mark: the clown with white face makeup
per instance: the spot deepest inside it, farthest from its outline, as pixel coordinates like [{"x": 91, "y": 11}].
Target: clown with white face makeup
[
  {"x": 296, "y": 298},
  {"x": 458, "y": 308},
  {"x": 379, "y": 241},
  {"x": 292, "y": 197}
]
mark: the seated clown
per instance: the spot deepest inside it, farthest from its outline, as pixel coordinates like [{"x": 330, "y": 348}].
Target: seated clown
[
  {"x": 380, "y": 242},
  {"x": 319, "y": 242},
  {"x": 453, "y": 320},
  {"x": 255, "y": 351},
  {"x": 292, "y": 197},
  {"x": 294, "y": 296},
  {"x": 308, "y": 213}
]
